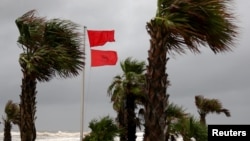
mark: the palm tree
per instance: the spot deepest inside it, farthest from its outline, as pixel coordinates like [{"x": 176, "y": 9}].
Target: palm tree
[
  {"x": 102, "y": 130},
  {"x": 50, "y": 48},
  {"x": 177, "y": 26},
  {"x": 12, "y": 112},
  {"x": 174, "y": 113},
  {"x": 181, "y": 123},
  {"x": 125, "y": 91},
  {"x": 189, "y": 127},
  {"x": 116, "y": 91},
  {"x": 206, "y": 106}
]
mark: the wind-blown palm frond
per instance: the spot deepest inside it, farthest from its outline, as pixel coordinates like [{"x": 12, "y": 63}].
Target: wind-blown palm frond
[
  {"x": 206, "y": 106},
  {"x": 12, "y": 111},
  {"x": 31, "y": 30},
  {"x": 51, "y": 47},
  {"x": 175, "y": 111},
  {"x": 102, "y": 130},
  {"x": 116, "y": 92},
  {"x": 189, "y": 127},
  {"x": 225, "y": 111},
  {"x": 210, "y": 105},
  {"x": 134, "y": 66},
  {"x": 197, "y": 22}
]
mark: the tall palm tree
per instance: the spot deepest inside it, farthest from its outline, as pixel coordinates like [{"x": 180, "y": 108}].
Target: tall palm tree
[
  {"x": 206, "y": 106},
  {"x": 177, "y": 26},
  {"x": 12, "y": 112},
  {"x": 125, "y": 91},
  {"x": 50, "y": 48}
]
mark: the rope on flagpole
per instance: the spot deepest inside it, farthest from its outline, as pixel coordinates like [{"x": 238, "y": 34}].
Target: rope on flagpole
[{"x": 83, "y": 88}]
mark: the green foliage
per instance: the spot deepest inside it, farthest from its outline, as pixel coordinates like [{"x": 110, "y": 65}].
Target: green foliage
[
  {"x": 12, "y": 111},
  {"x": 177, "y": 26},
  {"x": 189, "y": 127},
  {"x": 197, "y": 22},
  {"x": 50, "y": 47},
  {"x": 133, "y": 77},
  {"x": 174, "y": 111},
  {"x": 206, "y": 106},
  {"x": 184, "y": 123},
  {"x": 102, "y": 130},
  {"x": 127, "y": 92}
]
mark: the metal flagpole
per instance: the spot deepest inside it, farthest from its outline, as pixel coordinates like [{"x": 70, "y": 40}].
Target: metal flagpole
[{"x": 83, "y": 90}]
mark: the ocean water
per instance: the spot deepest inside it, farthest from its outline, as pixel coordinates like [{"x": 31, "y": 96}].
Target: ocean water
[
  {"x": 48, "y": 136},
  {"x": 68, "y": 136},
  {"x": 58, "y": 136}
]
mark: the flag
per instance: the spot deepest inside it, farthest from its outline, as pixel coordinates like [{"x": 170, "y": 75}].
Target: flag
[
  {"x": 103, "y": 57},
  {"x": 100, "y": 37}
]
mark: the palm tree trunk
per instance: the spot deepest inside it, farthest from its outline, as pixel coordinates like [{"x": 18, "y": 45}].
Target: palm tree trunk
[
  {"x": 156, "y": 84},
  {"x": 122, "y": 125},
  {"x": 203, "y": 119},
  {"x": 7, "y": 130},
  {"x": 28, "y": 107},
  {"x": 130, "y": 103}
]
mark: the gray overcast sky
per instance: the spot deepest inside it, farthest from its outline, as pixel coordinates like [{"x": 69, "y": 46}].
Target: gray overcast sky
[{"x": 222, "y": 76}]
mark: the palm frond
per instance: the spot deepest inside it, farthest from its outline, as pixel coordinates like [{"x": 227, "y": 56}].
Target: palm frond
[
  {"x": 12, "y": 111},
  {"x": 51, "y": 47},
  {"x": 192, "y": 23},
  {"x": 103, "y": 129},
  {"x": 132, "y": 65},
  {"x": 198, "y": 101},
  {"x": 175, "y": 111},
  {"x": 31, "y": 29},
  {"x": 206, "y": 106},
  {"x": 226, "y": 112},
  {"x": 189, "y": 127}
]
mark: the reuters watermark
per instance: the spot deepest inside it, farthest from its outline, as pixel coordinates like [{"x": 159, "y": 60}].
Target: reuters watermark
[{"x": 223, "y": 132}]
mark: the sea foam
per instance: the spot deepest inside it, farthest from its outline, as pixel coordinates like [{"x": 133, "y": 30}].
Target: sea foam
[{"x": 60, "y": 136}]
